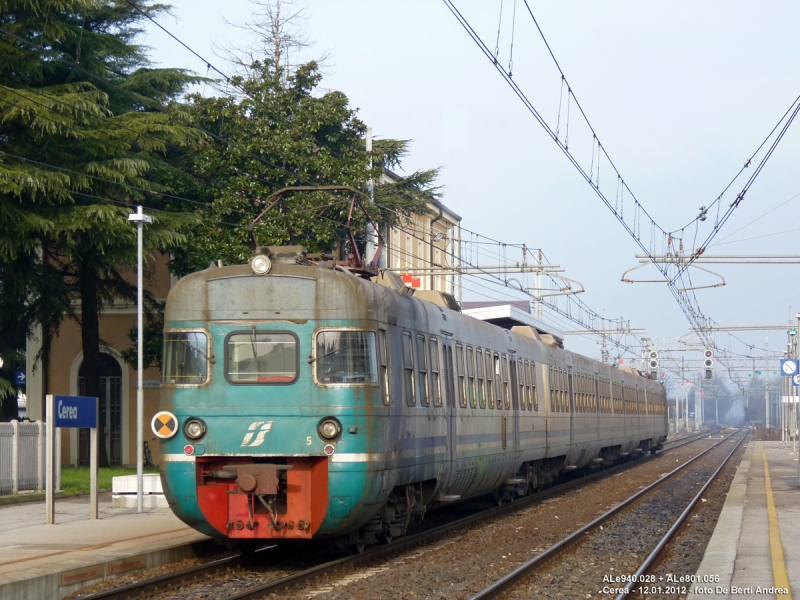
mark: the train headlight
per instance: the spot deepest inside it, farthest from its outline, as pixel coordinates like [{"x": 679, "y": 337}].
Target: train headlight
[
  {"x": 261, "y": 264},
  {"x": 329, "y": 429},
  {"x": 194, "y": 429}
]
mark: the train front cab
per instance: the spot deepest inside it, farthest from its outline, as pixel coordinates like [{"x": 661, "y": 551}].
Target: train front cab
[{"x": 275, "y": 403}]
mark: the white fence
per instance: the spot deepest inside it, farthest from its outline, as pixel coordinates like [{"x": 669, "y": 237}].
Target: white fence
[{"x": 22, "y": 456}]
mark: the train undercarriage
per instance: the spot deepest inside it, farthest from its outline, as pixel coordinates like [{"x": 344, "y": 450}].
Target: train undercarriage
[{"x": 248, "y": 499}]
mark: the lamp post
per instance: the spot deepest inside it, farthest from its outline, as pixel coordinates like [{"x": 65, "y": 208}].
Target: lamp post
[
  {"x": 140, "y": 219},
  {"x": 797, "y": 406},
  {"x": 795, "y": 393}
]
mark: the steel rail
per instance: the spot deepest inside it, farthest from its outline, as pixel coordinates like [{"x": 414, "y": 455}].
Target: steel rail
[
  {"x": 433, "y": 534},
  {"x": 685, "y": 440},
  {"x": 662, "y": 544},
  {"x": 167, "y": 581},
  {"x": 133, "y": 590},
  {"x": 537, "y": 561}
]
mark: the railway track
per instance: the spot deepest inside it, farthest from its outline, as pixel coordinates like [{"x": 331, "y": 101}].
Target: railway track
[
  {"x": 278, "y": 582},
  {"x": 620, "y": 583}
]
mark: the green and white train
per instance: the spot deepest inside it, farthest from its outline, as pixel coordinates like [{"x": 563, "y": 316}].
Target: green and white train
[{"x": 309, "y": 402}]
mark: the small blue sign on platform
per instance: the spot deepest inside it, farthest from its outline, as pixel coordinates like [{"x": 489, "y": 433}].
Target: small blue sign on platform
[
  {"x": 796, "y": 380},
  {"x": 20, "y": 377},
  {"x": 788, "y": 367},
  {"x": 76, "y": 411}
]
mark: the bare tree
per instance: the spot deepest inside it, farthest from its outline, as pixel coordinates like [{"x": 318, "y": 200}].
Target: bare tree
[{"x": 278, "y": 32}]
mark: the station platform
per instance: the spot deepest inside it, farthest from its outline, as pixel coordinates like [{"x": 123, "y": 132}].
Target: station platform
[
  {"x": 44, "y": 562},
  {"x": 755, "y": 547}
]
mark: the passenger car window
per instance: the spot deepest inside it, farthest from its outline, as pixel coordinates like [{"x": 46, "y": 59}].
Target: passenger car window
[
  {"x": 479, "y": 369},
  {"x": 384, "y": 362},
  {"x": 422, "y": 367},
  {"x": 462, "y": 389},
  {"x": 408, "y": 369},
  {"x": 489, "y": 379},
  {"x": 185, "y": 358},
  {"x": 261, "y": 357},
  {"x": 498, "y": 381},
  {"x": 506, "y": 394},
  {"x": 436, "y": 392},
  {"x": 473, "y": 401}
]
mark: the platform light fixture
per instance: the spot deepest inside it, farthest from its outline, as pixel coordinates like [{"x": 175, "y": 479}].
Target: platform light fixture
[{"x": 140, "y": 219}]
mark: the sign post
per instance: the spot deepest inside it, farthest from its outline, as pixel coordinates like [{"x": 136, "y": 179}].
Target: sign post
[
  {"x": 49, "y": 489},
  {"x": 73, "y": 412}
]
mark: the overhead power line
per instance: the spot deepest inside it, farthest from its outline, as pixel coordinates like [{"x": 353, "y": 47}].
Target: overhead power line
[{"x": 641, "y": 219}]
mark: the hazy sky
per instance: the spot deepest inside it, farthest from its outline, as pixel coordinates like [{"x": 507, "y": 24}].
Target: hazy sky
[{"x": 680, "y": 94}]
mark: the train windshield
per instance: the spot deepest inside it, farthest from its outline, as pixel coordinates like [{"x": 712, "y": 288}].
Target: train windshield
[
  {"x": 259, "y": 357},
  {"x": 346, "y": 357},
  {"x": 185, "y": 358}
]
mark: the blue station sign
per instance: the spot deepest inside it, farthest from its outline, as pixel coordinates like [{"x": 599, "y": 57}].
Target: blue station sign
[
  {"x": 789, "y": 367},
  {"x": 76, "y": 411}
]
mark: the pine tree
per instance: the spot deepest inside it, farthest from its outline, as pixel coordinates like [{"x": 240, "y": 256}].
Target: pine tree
[{"x": 82, "y": 141}]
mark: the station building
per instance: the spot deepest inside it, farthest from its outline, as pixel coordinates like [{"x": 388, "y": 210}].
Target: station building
[{"x": 118, "y": 379}]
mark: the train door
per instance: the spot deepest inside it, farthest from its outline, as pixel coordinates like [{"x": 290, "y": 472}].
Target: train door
[
  {"x": 515, "y": 400},
  {"x": 571, "y": 409},
  {"x": 450, "y": 397}
]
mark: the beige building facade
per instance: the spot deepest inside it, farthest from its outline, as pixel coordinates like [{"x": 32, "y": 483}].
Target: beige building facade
[
  {"x": 118, "y": 381},
  {"x": 426, "y": 249}
]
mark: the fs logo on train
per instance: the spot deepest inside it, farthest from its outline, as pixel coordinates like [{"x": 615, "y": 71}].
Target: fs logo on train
[{"x": 263, "y": 429}]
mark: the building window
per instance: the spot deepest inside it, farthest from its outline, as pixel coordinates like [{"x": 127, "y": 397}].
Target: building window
[{"x": 437, "y": 259}]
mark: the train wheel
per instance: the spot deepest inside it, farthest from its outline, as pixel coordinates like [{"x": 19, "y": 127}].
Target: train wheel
[
  {"x": 357, "y": 548},
  {"x": 357, "y": 544},
  {"x": 386, "y": 537}
]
